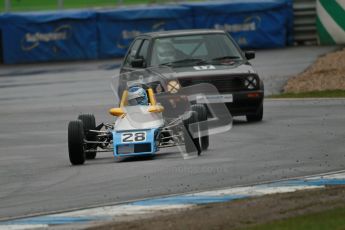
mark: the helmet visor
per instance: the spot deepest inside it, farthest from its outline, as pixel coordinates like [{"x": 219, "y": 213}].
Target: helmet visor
[{"x": 137, "y": 101}]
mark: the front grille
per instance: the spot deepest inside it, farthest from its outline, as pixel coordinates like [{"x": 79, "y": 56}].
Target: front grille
[
  {"x": 134, "y": 148},
  {"x": 222, "y": 83}
]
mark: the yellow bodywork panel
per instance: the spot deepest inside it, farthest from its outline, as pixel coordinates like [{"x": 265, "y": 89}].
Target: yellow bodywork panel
[
  {"x": 124, "y": 98},
  {"x": 151, "y": 97},
  {"x": 156, "y": 109},
  {"x": 116, "y": 112},
  {"x": 119, "y": 111}
]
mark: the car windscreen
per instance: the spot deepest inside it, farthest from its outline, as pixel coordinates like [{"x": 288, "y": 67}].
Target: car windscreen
[{"x": 191, "y": 48}]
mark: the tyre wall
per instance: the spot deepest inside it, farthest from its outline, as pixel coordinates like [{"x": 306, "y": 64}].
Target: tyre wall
[
  {"x": 331, "y": 21},
  {"x": 2, "y": 24},
  {"x": 85, "y": 34},
  {"x": 253, "y": 24},
  {"x": 49, "y": 36},
  {"x": 1, "y": 52},
  {"x": 117, "y": 28}
]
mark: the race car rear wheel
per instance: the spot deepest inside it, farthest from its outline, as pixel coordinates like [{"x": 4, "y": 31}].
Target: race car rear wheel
[
  {"x": 257, "y": 116},
  {"x": 191, "y": 144},
  {"x": 202, "y": 118},
  {"x": 76, "y": 142},
  {"x": 89, "y": 122}
]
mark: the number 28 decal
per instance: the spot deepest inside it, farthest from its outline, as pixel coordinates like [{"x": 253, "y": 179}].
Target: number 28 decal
[{"x": 133, "y": 137}]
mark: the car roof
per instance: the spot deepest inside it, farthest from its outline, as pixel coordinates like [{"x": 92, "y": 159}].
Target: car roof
[{"x": 169, "y": 33}]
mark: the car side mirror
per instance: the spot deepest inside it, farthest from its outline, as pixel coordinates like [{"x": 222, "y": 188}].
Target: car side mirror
[
  {"x": 138, "y": 62},
  {"x": 249, "y": 54}
]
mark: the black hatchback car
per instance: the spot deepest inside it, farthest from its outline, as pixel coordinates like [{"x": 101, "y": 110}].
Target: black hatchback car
[{"x": 203, "y": 56}]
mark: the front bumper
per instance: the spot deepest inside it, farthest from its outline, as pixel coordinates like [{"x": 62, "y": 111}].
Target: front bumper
[
  {"x": 246, "y": 102},
  {"x": 147, "y": 147}
]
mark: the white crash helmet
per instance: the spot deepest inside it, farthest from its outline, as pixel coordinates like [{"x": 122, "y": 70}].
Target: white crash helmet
[{"x": 137, "y": 96}]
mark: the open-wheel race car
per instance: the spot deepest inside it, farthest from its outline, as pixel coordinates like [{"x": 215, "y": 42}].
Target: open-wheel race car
[{"x": 147, "y": 120}]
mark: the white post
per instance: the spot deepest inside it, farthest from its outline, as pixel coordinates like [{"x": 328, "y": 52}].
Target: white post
[{"x": 7, "y": 5}]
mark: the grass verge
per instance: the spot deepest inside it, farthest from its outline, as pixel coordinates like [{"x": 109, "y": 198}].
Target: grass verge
[
  {"x": 307, "y": 209},
  {"x": 312, "y": 94},
  {"x": 332, "y": 219}
]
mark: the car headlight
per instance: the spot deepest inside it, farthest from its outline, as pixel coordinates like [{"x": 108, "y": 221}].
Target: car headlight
[
  {"x": 250, "y": 82},
  {"x": 173, "y": 86}
]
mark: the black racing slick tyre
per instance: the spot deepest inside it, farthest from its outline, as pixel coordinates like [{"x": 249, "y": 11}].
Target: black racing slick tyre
[
  {"x": 76, "y": 142},
  {"x": 202, "y": 118},
  {"x": 191, "y": 144},
  {"x": 89, "y": 122},
  {"x": 257, "y": 116}
]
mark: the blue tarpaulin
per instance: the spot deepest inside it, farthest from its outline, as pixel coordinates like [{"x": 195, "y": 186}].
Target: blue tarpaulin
[
  {"x": 253, "y": 24},
  {"x": 1, "y": 43},
  {"x": 85, "y": 34},
  {"x": 117, "y": 28},
  {"x": 49, "y": 36}
]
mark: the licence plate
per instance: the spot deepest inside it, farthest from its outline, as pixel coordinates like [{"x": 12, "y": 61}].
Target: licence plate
[{"x": 219, "y": 98}]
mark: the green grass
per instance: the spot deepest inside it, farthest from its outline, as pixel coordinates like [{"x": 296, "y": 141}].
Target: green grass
[
  {"x": 333, "y": 219},
  {"x": 32, "y": 5},
  {"x": 313, "y": 94}
]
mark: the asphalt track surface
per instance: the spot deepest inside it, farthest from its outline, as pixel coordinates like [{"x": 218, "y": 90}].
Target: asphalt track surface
[{"x": 296, "y": 138}]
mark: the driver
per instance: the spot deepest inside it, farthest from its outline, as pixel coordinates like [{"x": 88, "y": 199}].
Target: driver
[{"x": 137, "y": 96}]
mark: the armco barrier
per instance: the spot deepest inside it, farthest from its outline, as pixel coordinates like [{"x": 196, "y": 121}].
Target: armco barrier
[
  {"x": 331, "y": 22},
  {"x": 49, "y": 36},
  {"x": 253, "y": 24},
  {"x": 117, "y": 28}
]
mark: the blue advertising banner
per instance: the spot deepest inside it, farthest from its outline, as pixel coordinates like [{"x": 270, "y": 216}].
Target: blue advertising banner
[
  {"x": 82, "y": 34},
  {"x": 117, "y": 28},
  {"x": 1, "y": 38},
  {"x": 49, "y": 36},
  {"x": 253, "y": 24}
]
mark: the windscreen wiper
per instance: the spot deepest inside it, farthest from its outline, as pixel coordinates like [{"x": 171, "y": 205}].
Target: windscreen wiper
[
  {"x": 197, "y": 60},
  {"x": 225, "y": 57}
]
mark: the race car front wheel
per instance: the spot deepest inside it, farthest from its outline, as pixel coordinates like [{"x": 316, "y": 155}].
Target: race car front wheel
[
  {"x": 192, "y": 144},
  {"x": 202, "y": 118},
  {"x": 89, "y": 122},
  {"x": 76, "y": 142}
]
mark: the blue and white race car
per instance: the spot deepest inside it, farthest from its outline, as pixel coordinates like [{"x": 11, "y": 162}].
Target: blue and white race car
[{"x": 137, "y": 130}]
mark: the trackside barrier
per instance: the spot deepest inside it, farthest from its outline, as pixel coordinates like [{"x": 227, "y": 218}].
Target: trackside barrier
[
  {"x": 253, "y": 24},
  {"x": 305, "y": 32},
  {"x": 79, "y": 35},
  {"x": 117, "y": 28},
  {"x": 1, "y": 42},
  {"x": 49, "y": 36},
  {"x": 330, "y": 22}
]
